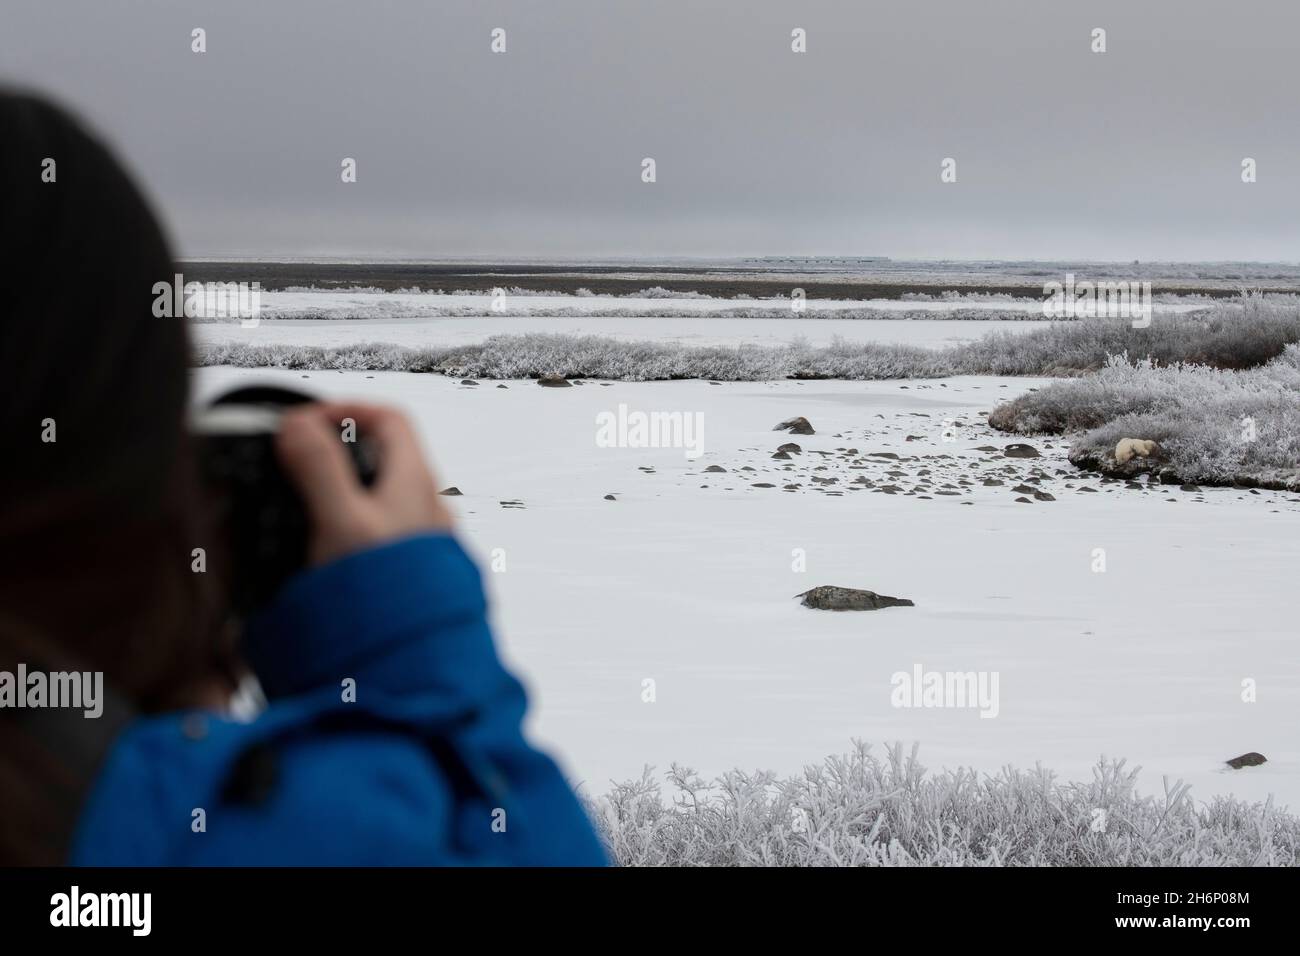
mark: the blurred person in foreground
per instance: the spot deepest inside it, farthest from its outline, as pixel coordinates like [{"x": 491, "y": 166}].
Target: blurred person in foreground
[{"x": 427, "y": 765}]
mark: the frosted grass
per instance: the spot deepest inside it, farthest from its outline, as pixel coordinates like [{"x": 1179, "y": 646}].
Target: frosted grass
[{"x": 861, "y": 810}]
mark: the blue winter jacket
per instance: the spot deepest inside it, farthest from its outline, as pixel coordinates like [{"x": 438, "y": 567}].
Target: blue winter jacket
[{"x": 426, "y": 765}]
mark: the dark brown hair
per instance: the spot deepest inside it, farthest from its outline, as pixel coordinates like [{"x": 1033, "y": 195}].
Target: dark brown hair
[{"x": 96, "y": 526}]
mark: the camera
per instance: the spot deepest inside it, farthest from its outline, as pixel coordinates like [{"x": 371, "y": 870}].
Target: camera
[{"x": 260, "y": 520}]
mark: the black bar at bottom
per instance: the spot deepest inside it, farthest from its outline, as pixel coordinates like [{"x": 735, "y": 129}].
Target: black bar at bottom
[{"x": 333, "y": 906}]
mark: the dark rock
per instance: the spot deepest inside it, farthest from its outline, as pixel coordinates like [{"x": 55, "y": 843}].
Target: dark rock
[
  {"x": 828, "y": 597},
  {"x": 1251, "y": 759},
  {"x": 468, "y": 381},
  {"x": 1021, "y": 451},
  {"x": 781, "y": 455},
  {"x": 452, "y": 492},
  {"x": 554, "y": 381},
  {"x": 715, "y": 468},
  {"x": 795, "y": 426},
  {"x": 610, "y": 498},
  {"x": 790, "y": 448}
]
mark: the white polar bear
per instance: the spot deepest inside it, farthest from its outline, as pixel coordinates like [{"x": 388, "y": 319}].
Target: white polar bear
[{"x": 1130, "y": 448}]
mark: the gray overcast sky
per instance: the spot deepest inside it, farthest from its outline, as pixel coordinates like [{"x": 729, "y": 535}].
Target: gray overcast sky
[{"x": 1061, "y": 153}]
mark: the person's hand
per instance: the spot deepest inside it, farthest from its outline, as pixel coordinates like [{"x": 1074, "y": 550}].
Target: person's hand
[{"x": 345, "y": 515}]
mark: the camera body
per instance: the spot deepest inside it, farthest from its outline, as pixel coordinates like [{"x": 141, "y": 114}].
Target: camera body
[{"x": 256, "y": 512}]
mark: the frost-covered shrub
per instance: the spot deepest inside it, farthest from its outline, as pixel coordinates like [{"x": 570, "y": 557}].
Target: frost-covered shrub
[
  {"x": 659, "y": 292},
  {"x": 858, "y": 810},
  {"x": 1245, "y": 442},
  {"x": 589, "y": 356},
  {"x": 1215, "y": 426},
  {"x": 1245, "y": 333},
  {"x": 1241, "y": 333},
  {"x": 1123, "y": 387}
]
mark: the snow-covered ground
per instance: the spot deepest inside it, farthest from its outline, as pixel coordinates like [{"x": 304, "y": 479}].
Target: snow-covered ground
[
  {"x": 325, "y": 304},
  {"x": 692, "y": 586},
  {"x": 428, "y": 332},
  {"x": 416, "y": 319}
]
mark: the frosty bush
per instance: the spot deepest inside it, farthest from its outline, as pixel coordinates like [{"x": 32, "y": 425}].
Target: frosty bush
[
  {"x": 536, "y": 354},
  {"x": 858, "y": 810},
  {"x": 1215, "y": 426},
  {"x": 659, "y": 292},
  {"x": 1242, "y": 334}
]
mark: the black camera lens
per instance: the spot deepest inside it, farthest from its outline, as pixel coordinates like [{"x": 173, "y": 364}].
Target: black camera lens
[{"x": 258, "y": 516}]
